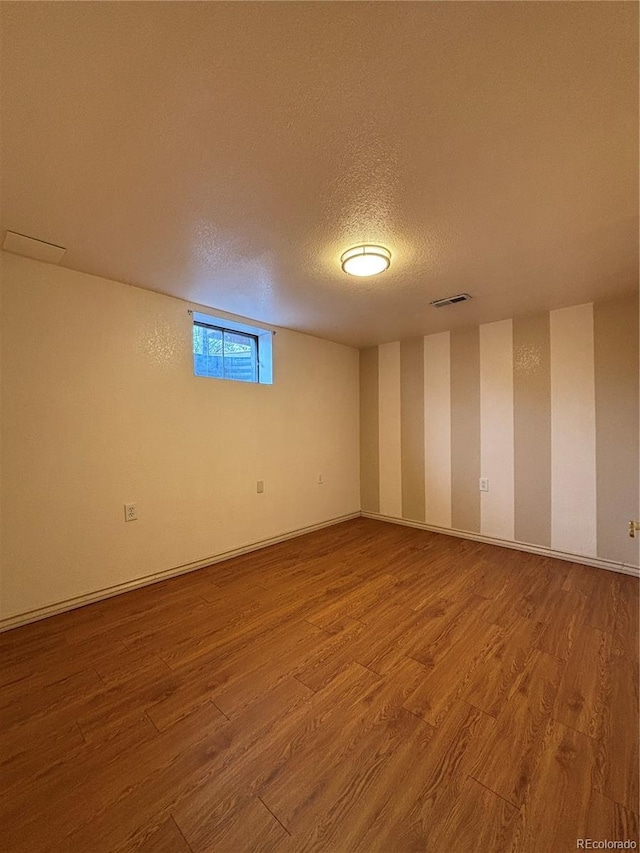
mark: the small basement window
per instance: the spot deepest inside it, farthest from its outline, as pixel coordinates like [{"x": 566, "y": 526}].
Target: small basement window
[{"x": 224, "y": 349}]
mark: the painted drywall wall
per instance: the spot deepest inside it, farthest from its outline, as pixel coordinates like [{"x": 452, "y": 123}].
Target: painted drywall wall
[
  {"x": 545, "y": 407},
  {"x": 100, "y": 407}
]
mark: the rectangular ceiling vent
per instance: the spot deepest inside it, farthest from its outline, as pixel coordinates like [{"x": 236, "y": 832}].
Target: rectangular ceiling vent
[
  {"x": 39, "y": 250},
  {"x": 450, "y": 300}
]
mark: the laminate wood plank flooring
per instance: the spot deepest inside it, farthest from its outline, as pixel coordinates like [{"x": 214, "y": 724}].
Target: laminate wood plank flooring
[
  {"x": 367, "y": 687},
  {"x": 583, "y": 696}
]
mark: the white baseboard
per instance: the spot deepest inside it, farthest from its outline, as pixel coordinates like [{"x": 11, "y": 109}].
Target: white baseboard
[
  {"x": 108, "y": 592},
  {"x": 609, "y": 565}
]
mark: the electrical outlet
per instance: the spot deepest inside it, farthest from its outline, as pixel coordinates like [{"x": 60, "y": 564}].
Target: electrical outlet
[
  {"x": 484, "y": 484},
  {"x": 260, "y": 487},
  {"x": 320, "y": 480},
  {"x": 130, "y": 512}
]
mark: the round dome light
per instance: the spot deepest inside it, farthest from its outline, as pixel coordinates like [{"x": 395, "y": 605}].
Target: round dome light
[{"x": 366, "y": 260}]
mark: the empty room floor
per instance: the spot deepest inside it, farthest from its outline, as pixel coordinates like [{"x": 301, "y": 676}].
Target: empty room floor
[{"x": 367, "y": 687}]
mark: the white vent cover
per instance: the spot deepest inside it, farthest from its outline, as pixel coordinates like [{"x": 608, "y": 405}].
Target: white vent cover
[
  {"x": 20, "y": 244},
  {"x": 450, "y": 300}
]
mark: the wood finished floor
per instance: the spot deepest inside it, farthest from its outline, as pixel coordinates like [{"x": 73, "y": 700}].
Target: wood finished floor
[{"x": 368, "y": 687}]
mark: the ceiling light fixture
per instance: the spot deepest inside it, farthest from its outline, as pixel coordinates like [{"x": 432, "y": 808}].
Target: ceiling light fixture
[{"x": 366, "y": 260}]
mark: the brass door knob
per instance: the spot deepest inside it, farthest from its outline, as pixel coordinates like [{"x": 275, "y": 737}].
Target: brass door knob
[{"x": 633, "y": 526}]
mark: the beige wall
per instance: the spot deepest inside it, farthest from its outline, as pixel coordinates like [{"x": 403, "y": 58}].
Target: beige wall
[
  {"x": 100, "y": 407},
  {"x": 546, "y": 408}
]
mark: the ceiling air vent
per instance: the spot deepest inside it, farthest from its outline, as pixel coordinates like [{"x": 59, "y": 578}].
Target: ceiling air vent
[
  {"x": 39, "y": 250},
  {"x": 450, "y": 300}
]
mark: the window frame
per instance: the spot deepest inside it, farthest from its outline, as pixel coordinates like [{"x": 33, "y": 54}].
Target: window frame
[
  {"x": 224, "y": 331},
  {"x": 263, "y": 342}
]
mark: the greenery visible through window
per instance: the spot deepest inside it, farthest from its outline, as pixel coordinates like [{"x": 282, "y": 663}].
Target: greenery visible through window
[{"x": 223, "y": 349}]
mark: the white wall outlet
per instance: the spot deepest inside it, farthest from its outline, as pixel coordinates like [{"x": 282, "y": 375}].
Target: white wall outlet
[
  {"x": 320, "y": 480},
  {"x": 484, "y": 484},
  {"x": 260, "y": 487},
  {"x": 130, "y": 512}
]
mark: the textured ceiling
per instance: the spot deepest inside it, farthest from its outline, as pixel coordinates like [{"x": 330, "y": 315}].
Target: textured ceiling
[{"x": 228, "y": 153}]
